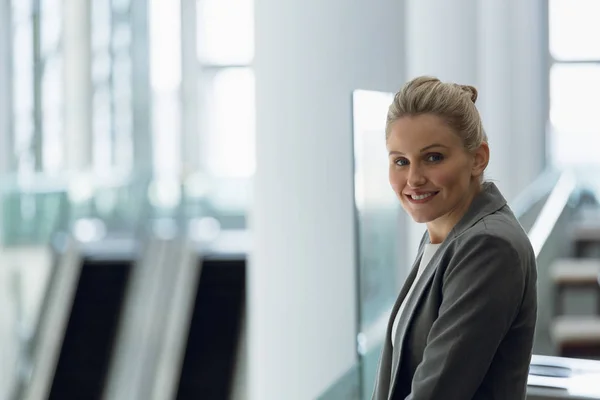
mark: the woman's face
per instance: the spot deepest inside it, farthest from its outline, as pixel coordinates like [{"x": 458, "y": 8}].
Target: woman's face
[{"x": 430, "y": 171}]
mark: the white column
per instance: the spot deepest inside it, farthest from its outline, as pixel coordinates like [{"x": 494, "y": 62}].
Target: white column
[
  {"x": 530, "y": 89},
  {"x": 495, "y": 103},
  {"x": 310, "y": 56},
  {"x": 78, "y": 134},
  {"x": 190, "y": 134},
  {"x": 6, "y": 107},
  {"x": 441, "y": 40}
]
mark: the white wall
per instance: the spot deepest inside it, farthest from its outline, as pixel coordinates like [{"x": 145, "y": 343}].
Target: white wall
[
  {"x": 310, "y": 55},
  {"x": 6, "y": 149}
]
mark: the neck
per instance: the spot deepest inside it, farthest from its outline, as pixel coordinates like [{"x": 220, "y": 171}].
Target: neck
[{"x": 440, "y": 228}]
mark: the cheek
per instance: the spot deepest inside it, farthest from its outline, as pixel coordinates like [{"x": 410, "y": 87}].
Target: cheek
[
  {"x": 397, "y": 180},
  {"x": 452, "y": 178}
]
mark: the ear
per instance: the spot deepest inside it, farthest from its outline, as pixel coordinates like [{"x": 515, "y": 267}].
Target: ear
[{"x": 481, "y": 158}]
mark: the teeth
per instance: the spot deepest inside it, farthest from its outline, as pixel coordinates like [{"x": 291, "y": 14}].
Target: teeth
[{"x": 421, "y": 197}]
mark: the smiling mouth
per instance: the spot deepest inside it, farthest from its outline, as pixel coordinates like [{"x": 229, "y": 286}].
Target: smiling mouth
[{"x": 421, "y": 198}]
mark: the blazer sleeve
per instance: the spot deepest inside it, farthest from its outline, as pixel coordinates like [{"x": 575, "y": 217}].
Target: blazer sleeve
[{"x": 482, "y": 292}]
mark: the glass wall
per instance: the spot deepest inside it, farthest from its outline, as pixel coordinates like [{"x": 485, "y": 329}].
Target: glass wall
[{"x": 574, "y": 129}]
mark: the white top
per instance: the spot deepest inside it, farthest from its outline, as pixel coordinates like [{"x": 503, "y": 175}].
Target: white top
[{"x": 428, "y": 254}]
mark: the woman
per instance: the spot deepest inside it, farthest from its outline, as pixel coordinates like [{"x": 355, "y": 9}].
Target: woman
[{"x": 462, "y": 327}]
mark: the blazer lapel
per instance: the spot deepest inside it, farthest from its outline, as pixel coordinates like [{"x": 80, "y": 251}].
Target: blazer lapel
[{"x": 410, "y": 308}]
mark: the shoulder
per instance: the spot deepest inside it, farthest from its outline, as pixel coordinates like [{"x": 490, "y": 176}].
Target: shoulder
[{"x": 499, "y": 233}]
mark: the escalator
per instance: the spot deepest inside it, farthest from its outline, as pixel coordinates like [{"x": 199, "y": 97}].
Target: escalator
[
  {"x": 91, "y": 330},
  {"x": 182, "y": 323},
  {"x": 72, "y": 349}
]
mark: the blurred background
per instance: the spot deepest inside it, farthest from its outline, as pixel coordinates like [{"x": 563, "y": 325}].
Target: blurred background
[{"x": 194, "y": 200}]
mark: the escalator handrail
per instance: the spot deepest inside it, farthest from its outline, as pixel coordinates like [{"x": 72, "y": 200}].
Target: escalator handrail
[{"x": 551, "y": 211}]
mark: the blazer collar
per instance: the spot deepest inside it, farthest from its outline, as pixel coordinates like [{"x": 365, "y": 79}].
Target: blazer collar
[{"x": 486, "y": 202}]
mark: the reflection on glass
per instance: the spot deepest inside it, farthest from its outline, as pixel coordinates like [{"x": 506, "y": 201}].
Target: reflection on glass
[
  {"x": 225, "y": 31},
  {"x": 231, "y": 128},
  {"x": 573, "y": 114},
  {"x": 574, "y": 29}
]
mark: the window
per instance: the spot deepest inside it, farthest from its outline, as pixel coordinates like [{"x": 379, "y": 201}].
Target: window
[
  {"x": 231, "y": 126},
  {"x": 165, "y": 82},
  {"x": 113, "y": 73},
  {"x": 37, "y": 85},
  {"x": 574, "y": 81},
  {"x": 225, "y": 49}
]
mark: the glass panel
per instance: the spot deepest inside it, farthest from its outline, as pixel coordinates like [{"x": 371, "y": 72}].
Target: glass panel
[
  {"x": 575, "y": 122},
  {"x": 225, "y": 31},
  {"x": 574, "y": 29},
  {"x": 231, "y": 114},
  {"x": 380, "y": 240}
]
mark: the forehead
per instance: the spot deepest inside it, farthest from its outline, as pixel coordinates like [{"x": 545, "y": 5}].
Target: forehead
[{"x": 410, "y": 134}]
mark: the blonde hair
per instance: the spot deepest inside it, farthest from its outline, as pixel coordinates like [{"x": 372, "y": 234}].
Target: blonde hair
[{"x": 454, "y": 103}]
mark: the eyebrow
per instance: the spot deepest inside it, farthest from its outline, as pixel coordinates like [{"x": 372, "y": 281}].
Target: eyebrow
[{"x": 422, "y": 150}]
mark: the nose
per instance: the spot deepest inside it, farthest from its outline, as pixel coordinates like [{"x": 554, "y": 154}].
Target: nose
[{"x": 415, "y": 177}]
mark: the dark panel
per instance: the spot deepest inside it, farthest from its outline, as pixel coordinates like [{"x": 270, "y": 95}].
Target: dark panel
[
  {"x": 210, "y": 356},
  {"x": 91, "y": 331}
]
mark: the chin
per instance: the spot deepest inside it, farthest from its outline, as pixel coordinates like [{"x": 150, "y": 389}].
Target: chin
[{"x": 421, "y": 219}]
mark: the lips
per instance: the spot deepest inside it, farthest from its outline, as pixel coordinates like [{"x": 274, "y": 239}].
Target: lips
[{"x": 421, "y": 197}]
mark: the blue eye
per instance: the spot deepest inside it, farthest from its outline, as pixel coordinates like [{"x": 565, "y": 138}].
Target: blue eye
[
  {"x": 436, "y": 157},
  {"x": 401, "y": 162}
]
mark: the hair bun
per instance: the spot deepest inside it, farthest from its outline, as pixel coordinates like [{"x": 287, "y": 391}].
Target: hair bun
[{"x": 471, "y": 90}]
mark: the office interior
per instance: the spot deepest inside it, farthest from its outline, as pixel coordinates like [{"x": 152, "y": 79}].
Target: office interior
[{"x": 194, "y": 203}]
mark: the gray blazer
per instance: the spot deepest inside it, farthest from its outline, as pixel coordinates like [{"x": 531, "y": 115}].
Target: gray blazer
[{"x": 469, "y": 324}]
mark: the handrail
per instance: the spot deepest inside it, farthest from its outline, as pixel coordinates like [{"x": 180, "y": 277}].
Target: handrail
[
  {"x": 534, "y": 192},
  {"x": 49, "y": 337},
  {"x": 154, "y": 327},
  {"x": 551, "y": 212}
]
